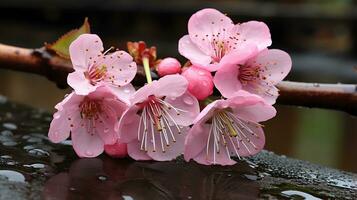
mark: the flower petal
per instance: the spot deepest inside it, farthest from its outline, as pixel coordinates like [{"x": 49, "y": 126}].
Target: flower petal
[
  {"x": 189, "y": 106},
  {"x": 226, "y": 80},
  {"x": 221, "y": 158},
  {"x": 251, "y": 143},
  {"x": 86, "y": 144},
  {"x": 275, "y": 63},
  {"x": 196, "y": 140},
  {"x": 86, "y": 46},
  {"x": 79, "y": 83},
  {"x": 253, "y": 32},
  {"x": 59, "y": 127},
  {"x": 257, "y": 112},
  {"x": 120, "y": 68},
  {"x": 207, "y": 24},
  {"x": 124, "y": 93},
  {"x": 188, "y": 49},
  {"x": 170, "y": 152},
  {"x": 135, "y": 152},
  {"x": 170, "y": 86},
  {"x": 129, "y": 125}
]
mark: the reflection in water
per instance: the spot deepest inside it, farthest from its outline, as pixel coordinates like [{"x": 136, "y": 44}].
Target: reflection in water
[{"x": 106, "y": 178}]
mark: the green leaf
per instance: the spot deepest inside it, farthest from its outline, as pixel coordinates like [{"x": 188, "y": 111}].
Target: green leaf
[{"x": 61, "y": 46}]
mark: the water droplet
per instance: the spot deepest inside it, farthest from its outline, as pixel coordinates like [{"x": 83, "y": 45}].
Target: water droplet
[
  {"x": 9, "y": 143},
  {"x": 6, "y": 157},
  {"x": 189, "y": 197},
  {"x": 12, "y": 175},
  {"x": 89, "y": 153},
  {"x": 202, "y": 73},
  {"x": 11, "y": 163},
  {"x": 127, "y": 90},
  {"x": 6, "y": 133},
  {"x": 72, "y": 189},
  {"x": 10, "y": 126},
  {"x": 102, "y": 178},
  {"x": 188, "y": 100},
  {"x": 36, "y": 165},
  {"x": 39, "y": 152},
  {"x": 106, "y": 130},
  {"x": 251, "y": 177},
  {"x": 299, "y": 193}
]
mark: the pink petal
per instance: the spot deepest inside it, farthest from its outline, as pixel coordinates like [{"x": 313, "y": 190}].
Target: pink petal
[
  {"x": 135, "y": 152},
  {"x": 86, "y": 144},
  {"x": 124, "y": 93},
  {"x": 276, "y": 64},
  {"x": 79, "y": 83},
  {"x": 188, "y": 104},
  {"x": 257, "y": 112},
  {"x": 226, "y": 80},
  {"x": 120, "y": 68},
  {"x": 170, "y": 86},
  {"x": 188, "y": 49},
  {"x": 173, "y": 151},
  {"x": 221, "y": 158},
  {"x": 206, "y": 22},
  {"x": 196, "y": 140},
  {"x": 253, "y": 32},
  {"x": 106, "y": 131},
  {"x": 251, "y": 146},
  {"x": 59, "y": 127},
  {"x": 239, "y": 55},
  {"x": 129, "y": 125},
  {"x": 86, "y": 46},
  {"x": 268, "y": 92}
]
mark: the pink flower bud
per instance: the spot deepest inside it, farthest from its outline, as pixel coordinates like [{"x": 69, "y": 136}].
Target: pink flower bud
[
  {"x": 168, "y": 66},
  {"x": 117, "y": 150},
  {"x": 200, "y": 82}
]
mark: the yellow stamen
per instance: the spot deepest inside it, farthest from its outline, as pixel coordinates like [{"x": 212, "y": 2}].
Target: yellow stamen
[
  {"x": 229, "y": 124},
  {"x": 147, "y": 69}
]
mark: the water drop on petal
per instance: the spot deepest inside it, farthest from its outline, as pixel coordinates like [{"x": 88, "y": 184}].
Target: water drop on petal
[
  {"x": 188, "y": 100},
  {"x": 89, "y": 153}
]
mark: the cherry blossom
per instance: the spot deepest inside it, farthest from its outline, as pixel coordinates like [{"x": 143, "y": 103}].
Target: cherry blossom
[
  {"x": 93, "y": 68},
  {"x": 213, "y": 39},
  {"x": 257, "y": 75},
  {"x": 226, "y": 128},
  {"x": 156, "y": 123},
  {"x": 89, "y": 119}
]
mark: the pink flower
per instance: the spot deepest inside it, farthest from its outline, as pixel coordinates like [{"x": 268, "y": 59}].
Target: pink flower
[
  {"x": 213, "y": 39},
  {"x": 89, "y": 119},
  {"x": 257, "y": 75},
  {"x": 94, "y": 68},
  {"x": 168, "y": 66},
  {"x": 117, "y": 150},
  {"x": 200, "y": 82},
  {"x": 226, "y": 128},
  {"x": 156, "y": 123}
]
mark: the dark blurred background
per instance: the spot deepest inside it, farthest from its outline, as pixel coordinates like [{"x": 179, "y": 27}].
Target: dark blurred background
[{"x": 320, "y": 35}]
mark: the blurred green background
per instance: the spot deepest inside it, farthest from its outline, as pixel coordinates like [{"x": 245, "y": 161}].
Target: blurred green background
[{"x": 320, "y": 35}]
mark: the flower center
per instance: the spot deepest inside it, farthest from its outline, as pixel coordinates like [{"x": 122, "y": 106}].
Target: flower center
[
  {"x": 157, "y": 122},
  {"x": 96, "y": 73},
  {"x": 220, "y": 49},
  {"x": 230, "y": 133},
  {"x": 90, "y": 109},
  {"x": 248, "y": 74}
]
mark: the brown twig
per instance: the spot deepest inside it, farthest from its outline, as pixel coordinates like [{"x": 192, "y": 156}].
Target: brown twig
[{"x": 39, "y": 61}]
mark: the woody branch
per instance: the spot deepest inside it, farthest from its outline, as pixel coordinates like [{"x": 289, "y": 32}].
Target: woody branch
[{"x": 39, "y": 61}]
